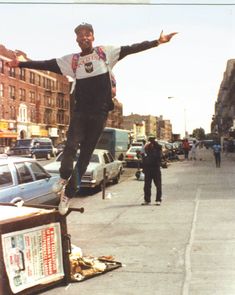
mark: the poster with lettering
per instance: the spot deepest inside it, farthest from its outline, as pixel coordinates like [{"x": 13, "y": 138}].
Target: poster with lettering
[{"x": 33, "y": 256}]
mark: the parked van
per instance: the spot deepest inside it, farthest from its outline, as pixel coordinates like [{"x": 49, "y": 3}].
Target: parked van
[
  {"x": 116, "y": 141},
  {"x": 40, "y": 147}
]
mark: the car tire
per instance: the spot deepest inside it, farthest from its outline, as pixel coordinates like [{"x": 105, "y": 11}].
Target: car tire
[{"x": 116, "y": 179}]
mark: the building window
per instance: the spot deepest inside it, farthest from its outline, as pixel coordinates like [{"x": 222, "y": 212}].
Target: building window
[
  {"x": 23, "y": 113},
  {"x": 12, "y": 113},
  {"x": 22, "y": 74},
  {"x": 1, "y": 90},
  {"x": 12, "y": 72},
  {"x": 48, "y": 86},
  {"x": 11, "y": 90},
  {"x": 31, "y": 78},
  {"x": 47, "y": 116},
  {"x": 61, "y": 117},
  {"x": 32, "y": 96},
  {"x": 44, "y": 82},
  {"x": 1, "y": 66},
  {"x": 3, "y": 112},
  {"x": 48, "y": 101},
  {"x": 39, "y": 80},
  {"x": 22, "y": 94},
  {"x": 33, "y": 115}
]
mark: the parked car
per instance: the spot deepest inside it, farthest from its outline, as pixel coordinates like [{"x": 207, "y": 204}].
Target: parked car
[
  {"x": 131, "y": 157},
  {"x": 165, "y": 151},
  {"x": 59, "y": 148},
  {"x": 24, "y": 178},
  {"x": 179, "y": 147},
  {"x": 33, "y": 147},
  {"x": 137, "y": 143},
  {"x": 172, "y": 151},
  {"x": 94, "y": 175}
]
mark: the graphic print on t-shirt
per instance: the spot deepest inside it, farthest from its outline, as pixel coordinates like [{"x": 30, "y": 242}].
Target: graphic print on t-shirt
[{"x": 89, "y": 67}]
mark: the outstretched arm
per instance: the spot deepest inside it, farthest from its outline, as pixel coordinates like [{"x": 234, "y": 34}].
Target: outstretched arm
[
  {"x": 45, "y": 65},
  {"x": 138, "y": 47}
]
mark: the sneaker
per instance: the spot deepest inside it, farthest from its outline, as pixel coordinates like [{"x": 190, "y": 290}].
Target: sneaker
[
  {"x": 58, "y": 185},
  {"x": 64, "y": 203},
  {"x": 158, "y": 203},
  {"x": 145, "y": 203}
]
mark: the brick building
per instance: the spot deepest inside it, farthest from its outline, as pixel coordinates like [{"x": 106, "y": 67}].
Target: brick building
[
  {"x": 33, "y": 103},
  {"x": 115, "y": 117}
]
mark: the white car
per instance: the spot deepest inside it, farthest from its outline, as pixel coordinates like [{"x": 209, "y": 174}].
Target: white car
[
  {"x": 131, "y": 157},
  {"x": 94, "y": 175}
]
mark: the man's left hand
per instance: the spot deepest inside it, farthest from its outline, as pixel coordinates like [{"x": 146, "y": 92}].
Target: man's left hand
[{"x": 165, "y": 38}]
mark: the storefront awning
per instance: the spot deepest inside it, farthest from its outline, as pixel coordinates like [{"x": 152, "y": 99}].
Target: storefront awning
[{"x": 8, "y": 134}]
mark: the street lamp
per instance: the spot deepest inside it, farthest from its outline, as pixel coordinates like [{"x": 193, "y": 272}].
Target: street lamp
[{"x": 185, "y": 124}]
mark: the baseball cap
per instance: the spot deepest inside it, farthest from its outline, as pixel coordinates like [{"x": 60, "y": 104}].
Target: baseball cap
[
  {"x": 151, "y": 136},
  {"x": 84, "y": 26}
]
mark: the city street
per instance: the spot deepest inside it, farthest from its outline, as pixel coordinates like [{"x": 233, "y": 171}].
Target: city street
[{"x": 184, "y": 247}]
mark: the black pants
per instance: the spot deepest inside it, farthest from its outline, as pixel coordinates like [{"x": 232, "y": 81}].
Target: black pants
[
  {"x": 84, "y": 132},
  {"x": 217, "y": 159},
  {"x": 152, "y": 174},
  {"x": 186, "y": 152}
]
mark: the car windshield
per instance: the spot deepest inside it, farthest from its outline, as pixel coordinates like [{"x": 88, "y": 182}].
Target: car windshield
[
  {"x": 94, "y": 158},
  {"x": 23, "y": 142}
]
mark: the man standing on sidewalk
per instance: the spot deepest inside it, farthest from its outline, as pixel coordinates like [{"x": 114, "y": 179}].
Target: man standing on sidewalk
[
  {"x": 91, "y": 69},
  {"x": 152, "y": 170}
]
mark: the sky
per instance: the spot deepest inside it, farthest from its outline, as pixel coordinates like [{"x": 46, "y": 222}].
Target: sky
[{"x": 189, "y": 68}]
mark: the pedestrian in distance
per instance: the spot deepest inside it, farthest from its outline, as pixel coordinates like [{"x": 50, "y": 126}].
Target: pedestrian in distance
[
  {"x": 91, "y": 70},
  {"x": 217, "y": 153},
  {"x": 186, "y": 148},
  {"x": 194, "y": 150},
  {"x": 152, "y": 170}
]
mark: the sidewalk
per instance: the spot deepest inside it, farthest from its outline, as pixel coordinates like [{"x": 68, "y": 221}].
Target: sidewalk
[{"x": 186, "y": 246}]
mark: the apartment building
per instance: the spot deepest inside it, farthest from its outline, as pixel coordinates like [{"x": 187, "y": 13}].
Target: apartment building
[
  {"x": 115, "y": 117},
  {"x": 164, "y": 130},
  {"x": 131, "y": 121},
  {"x": 33, "y": 103},
  {"x": 157, "y": 126},
  {"x": 223, "y": 121}
]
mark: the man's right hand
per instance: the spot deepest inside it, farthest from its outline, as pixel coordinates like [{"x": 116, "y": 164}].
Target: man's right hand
[{"x": 14, "y": 63}]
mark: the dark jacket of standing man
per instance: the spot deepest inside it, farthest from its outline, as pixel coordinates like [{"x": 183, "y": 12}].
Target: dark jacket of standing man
[{"x": 152, "y": 171}]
